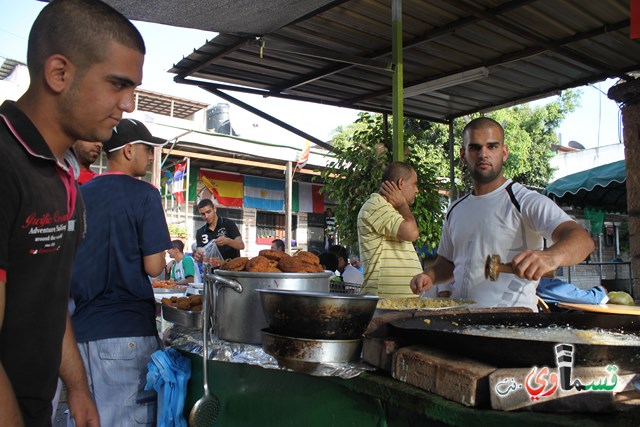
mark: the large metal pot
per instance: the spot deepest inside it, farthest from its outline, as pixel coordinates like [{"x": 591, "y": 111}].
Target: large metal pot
[
  {"x": 317, "y": 315},
  {"x": 236, "y": 310}
]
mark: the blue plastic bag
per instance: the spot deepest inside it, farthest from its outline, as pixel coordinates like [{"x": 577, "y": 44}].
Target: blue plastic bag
[{"x": 168, "y": 373}]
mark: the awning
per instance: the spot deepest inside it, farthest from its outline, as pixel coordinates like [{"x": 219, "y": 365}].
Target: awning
[{"x": 603, "y": 187}]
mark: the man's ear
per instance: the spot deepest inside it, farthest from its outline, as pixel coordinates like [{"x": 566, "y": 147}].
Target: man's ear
[
  {"x": 127, "y": 151},
  {"x": 462, "y": 155},
  {"x": 505, "y": 153},
  {"x": 58, "y": 73}
]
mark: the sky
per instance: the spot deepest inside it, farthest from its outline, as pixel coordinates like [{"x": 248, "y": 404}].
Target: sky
[{"x": 595, "y": 123}]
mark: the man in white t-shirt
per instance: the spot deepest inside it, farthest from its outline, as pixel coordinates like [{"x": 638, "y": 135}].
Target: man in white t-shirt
[
  {"x": 183, "y": 269},
  {"x": 500, "y": 217}
]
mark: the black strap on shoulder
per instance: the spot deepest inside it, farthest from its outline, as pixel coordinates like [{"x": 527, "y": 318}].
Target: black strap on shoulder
[
  {"x": 513, "y": 196},
  {"x": 456, "y": 204}
]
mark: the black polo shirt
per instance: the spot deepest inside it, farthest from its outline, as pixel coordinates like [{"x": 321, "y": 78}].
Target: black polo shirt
[
  {"x": 41, "y": 224},
  {"x": 224, "y": 228}
]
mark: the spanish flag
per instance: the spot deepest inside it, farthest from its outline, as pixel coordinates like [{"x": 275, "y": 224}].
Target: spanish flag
[{"x": 227, "y": 188}]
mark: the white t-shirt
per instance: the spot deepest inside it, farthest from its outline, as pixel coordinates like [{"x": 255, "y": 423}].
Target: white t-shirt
[
  {"x": 186, "y": 267},
  {"x": 352, "y": 275},
  {"x": 478, "y": 226}
]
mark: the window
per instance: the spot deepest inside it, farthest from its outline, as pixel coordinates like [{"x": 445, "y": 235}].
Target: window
[{"x": 271, "y": 226}]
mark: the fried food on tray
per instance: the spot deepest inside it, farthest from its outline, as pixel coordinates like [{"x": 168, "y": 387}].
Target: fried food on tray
[
  {"x": 165, "y": 284},
  {"x": 183, "y": 303},
  {"x": 167, "y": 301},
  {"x": 235, "y": 264},
  {"x": 190, "y": 303},
  {"x": 307, "y": 258},
  {"x": 291, "y": 264},
  {"x": 257, "y": 264},
  {"x": 273, "y": 269},
  {"x": 272, "y": 255}
]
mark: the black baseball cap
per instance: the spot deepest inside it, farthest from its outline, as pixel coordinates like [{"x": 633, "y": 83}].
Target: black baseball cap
[{"x": 130, "y": 131}]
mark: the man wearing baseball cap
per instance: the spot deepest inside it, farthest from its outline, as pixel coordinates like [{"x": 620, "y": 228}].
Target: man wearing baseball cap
[{"x": 126, "y": 240}]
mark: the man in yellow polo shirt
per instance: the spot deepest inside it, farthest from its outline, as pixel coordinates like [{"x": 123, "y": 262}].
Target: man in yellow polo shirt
[{"x": 386, "y": 230}]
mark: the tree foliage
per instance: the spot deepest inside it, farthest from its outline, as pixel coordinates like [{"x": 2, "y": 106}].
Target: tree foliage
[{"x": 363, "y": 150}]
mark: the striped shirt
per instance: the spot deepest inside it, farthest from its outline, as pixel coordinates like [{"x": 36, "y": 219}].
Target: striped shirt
[{"x": 389, "y": 263}]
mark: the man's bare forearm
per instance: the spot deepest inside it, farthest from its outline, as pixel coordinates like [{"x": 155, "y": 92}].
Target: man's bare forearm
[
  {"x": 71, "y": 367},
  {"x": 572, "y": 244}
]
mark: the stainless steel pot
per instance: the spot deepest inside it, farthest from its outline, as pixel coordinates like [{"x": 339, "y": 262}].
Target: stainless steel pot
[
  {"x": 317, "y": 315},
  {"x": 236, "y": 310}
]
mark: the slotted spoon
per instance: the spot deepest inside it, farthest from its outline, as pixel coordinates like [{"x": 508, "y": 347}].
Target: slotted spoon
[{"x": 205, "y": 411}]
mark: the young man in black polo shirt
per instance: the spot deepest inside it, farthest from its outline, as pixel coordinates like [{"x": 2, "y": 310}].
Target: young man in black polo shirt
[
  {"x": 83, "y": 75},
  {"x": 222, "y": 231}
]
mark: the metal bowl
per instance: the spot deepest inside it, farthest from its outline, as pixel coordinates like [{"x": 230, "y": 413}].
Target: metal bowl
[
  {"x": 317, "y": 315},
  {"x": 303, "y": 355}
]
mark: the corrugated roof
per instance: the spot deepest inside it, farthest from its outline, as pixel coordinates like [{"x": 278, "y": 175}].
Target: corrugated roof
[
  {"x": 514, "y": 51},
  {"x": 7, "y": 67},
  {"x": 167, "y": 105}
]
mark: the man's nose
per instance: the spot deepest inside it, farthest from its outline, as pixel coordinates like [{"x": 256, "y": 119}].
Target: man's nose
[
  {"x": 127, "y": 101},
  {"x": 483, "y": 152}
]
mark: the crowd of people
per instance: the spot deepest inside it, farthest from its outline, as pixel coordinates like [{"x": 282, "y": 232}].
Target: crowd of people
[{"x": 100, "y": 241}]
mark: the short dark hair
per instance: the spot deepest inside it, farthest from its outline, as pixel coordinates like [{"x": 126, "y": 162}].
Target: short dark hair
[
  {"x": 340, "y": 251},
  {"x": 279, "y": 244},
  {"x": 178, "y": 244},
  {"x": 481, "y": 123},
  {"x": 204, "y": 203},
  {"x": 329, "y": 261},
  {"x": 397, "y": 170},
  {"x": 79, "y": 30}
]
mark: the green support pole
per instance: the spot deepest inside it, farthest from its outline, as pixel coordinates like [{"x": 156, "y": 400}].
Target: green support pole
[
  {"x": 453, "y": 194},
  {"x": 398, "y": 111}
]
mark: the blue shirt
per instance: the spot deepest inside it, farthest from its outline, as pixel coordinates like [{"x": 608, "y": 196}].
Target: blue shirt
[{"x": 112, "y": 292}]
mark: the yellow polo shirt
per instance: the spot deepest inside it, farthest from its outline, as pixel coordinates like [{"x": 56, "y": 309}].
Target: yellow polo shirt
[{"x": 389, "y": 263}]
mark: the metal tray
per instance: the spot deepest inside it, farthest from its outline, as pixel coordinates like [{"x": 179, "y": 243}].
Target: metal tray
[
  {"x": 186, "y": 318},
  {"x": 179, "y": 290}
]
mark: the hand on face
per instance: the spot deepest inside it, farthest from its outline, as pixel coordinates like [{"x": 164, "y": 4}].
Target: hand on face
[{"x": 393, "y": 194}]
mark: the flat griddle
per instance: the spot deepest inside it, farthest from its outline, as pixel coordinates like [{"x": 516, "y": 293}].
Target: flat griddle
[{"x": 443, "y": 331}]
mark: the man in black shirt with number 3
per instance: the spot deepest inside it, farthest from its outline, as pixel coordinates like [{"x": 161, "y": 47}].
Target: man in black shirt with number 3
[{"x": 221, "y": 230}]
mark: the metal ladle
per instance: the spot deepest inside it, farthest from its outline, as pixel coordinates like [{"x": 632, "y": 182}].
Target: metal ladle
[{"x": 205, "y": 411}]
